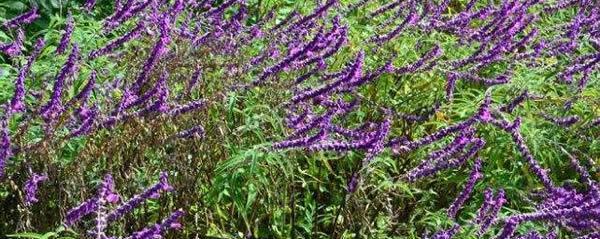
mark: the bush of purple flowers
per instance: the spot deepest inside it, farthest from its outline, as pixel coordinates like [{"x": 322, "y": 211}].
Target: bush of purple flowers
[{"x": 370, "y": 102}]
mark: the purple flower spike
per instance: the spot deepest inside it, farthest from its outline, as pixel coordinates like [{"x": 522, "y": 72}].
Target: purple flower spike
[
  {"x": 563, "y": 122},
  {"x": 450, "y": 85},
  {"x": 53, "y": 108},
  {"x": 466, "y": 192},
  {"x": 160, "y": 48},
  {"x": 156, "y": 230},
  {"x": 488, "y": 201},
  {"x": 152, "y": 192},
  {"x": 17, "y": 103},
  {"x": 526, "y": 154},
  {"x": 31, "y": 187},
  {"x": 85, "y": 208},
  {"x": 106, "y": 194},
  {"x": 194, "y": 80},
  {"x": 446, "y": 234},
  {"x": 114, "y": 44},
  {"x": 196, "y": 131},
  {"x": 492, "y": 213},
  {"x": 89, "y": 5},
  {"x": 484, "y": 113},
  {"x": 510, "y": 107},
  {"x": 352, "y": 183},
  {"x": 66, "y": 37},
  {"x": 5, "y": 145},
  {"x": 194, "y": 105},
  {"x": 22, "y": 19},
  {"x": 14, "y": 48}
]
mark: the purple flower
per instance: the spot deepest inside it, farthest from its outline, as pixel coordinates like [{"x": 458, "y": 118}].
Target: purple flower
[
  {"x": 66, "y": 37},
  {"x": 410, "y": 19},
  {"x": 466, "y": 192},
  {"x": 445, "y": 234},
  {"x": 31, "y": 187},
  {"x": 54, "y": 108},
  {"x": 563, "y": 122},
  {"x": 515, "y": 102},
  {"x": 450, "y": 85},
  {"x": 317, "y": 13},
  {"x": 492, "y": 212},
  {"x": 89, "y": 5},
  {"x": 488, "y": 201},
  {"x": 354, "y": 74},
  {"x": 87, "y": 122},
  {"x": 106, "y": 194},
  {"x": 159, "y": 49},
  {"x": 156, "y": 230},
  {"x": 14, "y": 48},
  {"x": 352, "y": 183},
  {"x": 194, "y": 105},
  {"x": 23, "y": 19},
  {"x": 196, "y": 131},
  {"x": 152, "y": 192},
  {"x": 194, "y": 80},
  {"x": 430, "y": 57},
  {"x": 75, "y": 214},
  {"x": 116, "y": 43},
  {"x": 524, "y": 150},
  {"x": 124, "y": 13},
  {"x": 17, "y": 103},
  {"x": 5, "y": 145}
]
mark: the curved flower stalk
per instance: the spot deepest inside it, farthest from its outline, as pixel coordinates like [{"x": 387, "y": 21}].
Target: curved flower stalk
[
  {"x": 126, "y": 12},
  {"x": 428, "y": 57},
  {"x": 537, "y": 235},
  {"x": 196, "y": 131},
  {"x": 23, "y": 19},
  {"x": 316, "y": 13},
  {"x": 482, "y": 115},
  {"x": 308, "y": 53},
  {"x": 89, "y": 5},
  {"x": 409, "y": 19}
]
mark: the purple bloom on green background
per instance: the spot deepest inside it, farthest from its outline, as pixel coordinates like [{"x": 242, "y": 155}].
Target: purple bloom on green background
[{"x": 31, "y": 187}]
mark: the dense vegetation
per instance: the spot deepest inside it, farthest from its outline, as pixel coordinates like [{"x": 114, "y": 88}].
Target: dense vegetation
[{"x": 313, "y": 119}]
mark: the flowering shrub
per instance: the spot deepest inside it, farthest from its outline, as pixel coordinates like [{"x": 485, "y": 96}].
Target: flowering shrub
[{"x": 323, "y": 120}]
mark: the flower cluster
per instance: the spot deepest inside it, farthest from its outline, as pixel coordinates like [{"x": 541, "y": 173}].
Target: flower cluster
[{"x": 100, "y": 205}]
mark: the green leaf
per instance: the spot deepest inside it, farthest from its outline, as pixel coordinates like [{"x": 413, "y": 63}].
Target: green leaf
[
  {"x": 55, "y": 3},
  {"x": 27, "y": 235},
  {"x": 252, "y": 192},
  {"x": 16, "y": 6}
]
